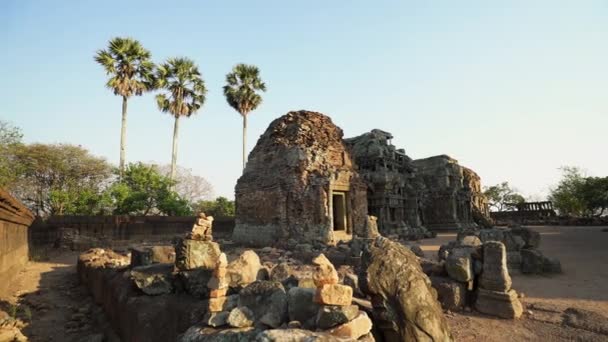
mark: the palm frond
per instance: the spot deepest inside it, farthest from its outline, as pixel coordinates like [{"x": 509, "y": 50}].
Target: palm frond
[{"x": 242, "y": 87}]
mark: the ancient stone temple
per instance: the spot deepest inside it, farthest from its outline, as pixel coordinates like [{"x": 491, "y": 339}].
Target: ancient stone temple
[
  {"x": 300, "y": 184},
  {"x": 393, "y": 189},
  {"x": 452, "y": 197}
]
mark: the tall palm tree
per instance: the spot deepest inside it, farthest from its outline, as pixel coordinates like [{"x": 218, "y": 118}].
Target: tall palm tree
[
  {"x": 131, "y": 73},
  {"x": 185, "y": 94},
  {"x": 241, "y": 89}
]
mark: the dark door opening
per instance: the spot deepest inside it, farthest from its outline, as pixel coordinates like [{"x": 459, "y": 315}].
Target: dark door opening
[{"x": 339, "y": 210}]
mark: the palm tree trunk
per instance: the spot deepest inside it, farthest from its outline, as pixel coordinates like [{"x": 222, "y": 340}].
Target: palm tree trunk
[
  {"x": 174, "y": 153},
  {"x": 123, "y": 136},
  {"x": 244, "y": 140}
]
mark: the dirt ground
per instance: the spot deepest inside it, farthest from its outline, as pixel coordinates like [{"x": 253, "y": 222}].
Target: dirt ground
[
  {"x": 55, "y": 307},
  {"x": 61, "y": 310},
  {"x": 583, "y": 253}
]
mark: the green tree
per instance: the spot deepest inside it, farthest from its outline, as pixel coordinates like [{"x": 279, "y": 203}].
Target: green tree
[
  {"x": 184, "y": 96},
  {"x": 593, "y": 193},
  {"x": 53, "y": 177},
  {"x": 241, "y": 91},
  {"x": 220, "y": 207},
  {"x": 143, "y": 190},
  {"x": 10, "y": 139},
  {"x": 502, "y": 197},
  {"x": 131, "y": 72},
  {"x": 567, "y": 195}
]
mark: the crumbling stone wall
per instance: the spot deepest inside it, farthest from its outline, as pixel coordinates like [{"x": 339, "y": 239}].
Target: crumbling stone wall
[
  {"x": 394, "y": 191},
  {"x": 452, "y": 196},
  {"x": 297, "y": 170},
  {"x": 15, "y": 219}
]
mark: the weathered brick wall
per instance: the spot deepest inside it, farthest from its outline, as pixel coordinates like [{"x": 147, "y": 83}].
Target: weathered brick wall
[
  {"x": 118, "y": 231},
  {"x": 15, "y": 220}
]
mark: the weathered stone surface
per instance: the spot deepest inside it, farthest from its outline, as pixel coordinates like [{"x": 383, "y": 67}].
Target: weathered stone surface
[
  {"x": 417, "y": 250},
  {"x": 470, "y": 241},
  {"x": 495, "y": 275},
  {"x": 298, "y": 167},
  {"x": 226, "y": 303},
  {"x": 300, "y": 304},
  {"x": 394, "y": 189},
  {"x": 501, "y": 304},
  {"x": 195, "y": 281},
  {"x": 325, "y": 272},
  {"x": 359, "y": 326},
  {"x": 307, "y": 283},
  {"x": 216, "y": 319},
  {"x": 586, "y": 320},
  {"x": 329, "y": 316},
  {"x": 294, "y": 335},
  {"x": 142, "y": 256},
  {"x": 334, "y": 294},
  {"x": 433, "y": 268},
  {"x": 371, "y": 228},
  {"x": 452, "y": 195},
  {"x": 193, "y": 254},
  {"x": 153, "y": 279},
  {"x": 280, "y": 272},
  {"x": 240, "y": 317},
  {"x": 244, "y": 270},
  {"x": 493, "y": 234},
  {"x": 352, "y": 280},
  {"x": 451, "y": 294},
  {"x": 202, "y": 334},
  {"x": 459, "y": 265},
  {"x": 405, "y": 307},
  {"x": 267, "y": 300},
  {"x": 514, "y": 260}
]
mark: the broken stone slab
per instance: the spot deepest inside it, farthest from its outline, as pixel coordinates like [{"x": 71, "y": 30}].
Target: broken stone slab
[
  {"x": 240, "y": 317},
  {"x": 226, "y": 303},
  {"x": 307, "y": 283},
  {"x": 492, "y": 234},
  {"x": 359, "y": 326},
  {"x": 405, "y": 306},
  {"x": 334, "y": 294},
  {"x": 202, "y": 229},
  {"x": 469, "y": 241},
  {"x": 325, "y": 272},
  {"x": 451, "y": 294},
  {"x": 267, "y": 300},
  {"x": 500, "y": 304},
  {"x": 329, "y": 316},
  {"x": 495, "y": 275},
  {"x": 301, "y": 306},
  {"x": 148, "y": 255},
  {"x": 194, "y": 254},
  {"x": 153, "y": 279},
  {"x": 244, "y": 270},
  {"x": 459, "y": 265}
]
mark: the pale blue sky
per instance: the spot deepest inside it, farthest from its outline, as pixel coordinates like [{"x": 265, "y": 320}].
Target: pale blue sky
[{"x": 512, "y": 89}]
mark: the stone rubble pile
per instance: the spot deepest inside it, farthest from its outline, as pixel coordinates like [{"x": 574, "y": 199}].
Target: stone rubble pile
[{"x": 474, "y": 273}]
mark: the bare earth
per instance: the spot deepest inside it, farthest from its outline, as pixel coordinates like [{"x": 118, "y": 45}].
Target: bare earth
[
  {"x": 61, "y": 310},
  {"x": 583, "y": 252}
]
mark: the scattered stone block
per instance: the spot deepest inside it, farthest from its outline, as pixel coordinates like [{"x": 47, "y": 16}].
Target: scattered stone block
[
  {"x": 240, "y": 317},
  {"x": 300, "y": 304},
  {"x": 325, "y": 272},
  {"x": 143, "y": 256},
  {"x": 334, "y": 294},
  {"x": 497, "y": 303},
  {"x": 459, "y": 265},
  {"x": 194, "y": 254},
  {"x": 329, "y": 316},
  {"x": 307, "y": 283},
  {"x": 359, "y": 326},
  {"x": 495, "y": 275},
  {"x": 265, "y": 298},
  {"x": 244, "y": 270},
  {"x": 153, "y": 279},
  {"x": 195, "y": 282},
  {"x": 451, "y": 294},
  {"x": 280, "y": 272},
  {"x": 216, "y": 319}
]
